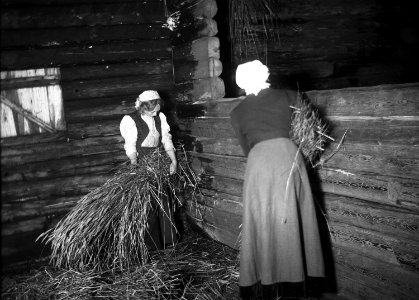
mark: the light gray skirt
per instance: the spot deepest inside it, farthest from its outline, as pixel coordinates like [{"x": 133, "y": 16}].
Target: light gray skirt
[{"x": 280, "y": 239}]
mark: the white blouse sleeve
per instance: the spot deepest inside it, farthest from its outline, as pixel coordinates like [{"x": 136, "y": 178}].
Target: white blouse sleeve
[
  {"x": 166, "y": 138},
  {"x": 128, "y": 131}
]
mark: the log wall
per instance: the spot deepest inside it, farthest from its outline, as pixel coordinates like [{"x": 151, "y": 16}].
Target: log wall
[
  {"x": 367, "y": 193},
  {"x": 196, "y": 53},
  {"x": 107, "y": 52},
  {"x": 328, "y": 44}
]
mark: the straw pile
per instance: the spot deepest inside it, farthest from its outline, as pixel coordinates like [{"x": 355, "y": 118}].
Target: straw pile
[
  {"x": 196, "y": 268},
  {"x": 105, "y": 230},
  {"x": 308, "y": 130}
]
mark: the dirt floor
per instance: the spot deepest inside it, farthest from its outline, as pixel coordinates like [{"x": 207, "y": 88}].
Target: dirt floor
[{"x": 196, "y": 268}]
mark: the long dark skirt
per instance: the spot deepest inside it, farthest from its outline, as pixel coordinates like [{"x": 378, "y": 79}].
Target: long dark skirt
[
  {"x": 280, "y": 243},
  {"x": 161, "y": 230}
]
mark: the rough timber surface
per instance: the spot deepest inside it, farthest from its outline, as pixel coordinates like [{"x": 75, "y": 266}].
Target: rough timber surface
[
  {"x": 107, "y": 53},
  {"x": 366, "y": 192}
]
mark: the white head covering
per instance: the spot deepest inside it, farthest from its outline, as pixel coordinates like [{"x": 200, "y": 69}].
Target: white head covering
[
  {"x": 146, "y": 96},
  {"x": 252, "y": 76}
]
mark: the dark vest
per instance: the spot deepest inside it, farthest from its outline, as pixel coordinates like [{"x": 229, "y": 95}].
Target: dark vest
[{"x": 143, "y": 131}]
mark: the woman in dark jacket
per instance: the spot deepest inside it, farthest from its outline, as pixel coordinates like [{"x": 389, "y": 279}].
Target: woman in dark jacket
[{"x": 280, "y": 244}]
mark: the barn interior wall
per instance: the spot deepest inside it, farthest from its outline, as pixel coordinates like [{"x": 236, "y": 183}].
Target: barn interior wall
[
  {"x": 107, "y": 52},
  {"x": 328, "y": 44},
  {"x": 356, "y": 65}
]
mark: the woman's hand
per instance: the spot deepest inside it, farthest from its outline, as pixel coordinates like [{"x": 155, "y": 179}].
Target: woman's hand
[{"x": 173, "y": 167}]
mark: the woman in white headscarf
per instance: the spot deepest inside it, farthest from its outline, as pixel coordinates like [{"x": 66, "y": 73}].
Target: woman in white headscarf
[
  {"x": 144, "y": 130},
  {"x": 280, "y": 243}
]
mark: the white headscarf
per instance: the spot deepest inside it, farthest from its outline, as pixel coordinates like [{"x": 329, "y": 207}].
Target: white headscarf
[
  {"x": 252, "y": 76},
  {"x": 146, "y": 96}
]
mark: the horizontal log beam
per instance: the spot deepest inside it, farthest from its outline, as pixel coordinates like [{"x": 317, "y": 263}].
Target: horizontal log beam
[
  {"x": 377, "y": 101},
  {"x": 51, "y": 188},
  {"x": 59, "y": 2},
  {"x": 197, "y": 50},
  {"x": 71, "y": 55},
  {"x": 198, "y": 8},
  {"x": 32, "y": 139},
  {"x": 93, "y": 129},
  {"x": 25, "y": 211},
  {"x": 108, "y": 87},
  {"x": 101, "y": 112},
  {"x": 44, "y": 154},
  {"x": 378, "y": 188},
  {"x": 80, "y": 35},
  {"x": 118, "y": 69},
  {"x": 369, "y": 276},
  {"x": 82, "y": 15},
  {"x": 199, "y": 90},
  {"x": 375, "y": 131},
  {"x": 194, "y": 29},
  {"x": 190, "y": 70}
]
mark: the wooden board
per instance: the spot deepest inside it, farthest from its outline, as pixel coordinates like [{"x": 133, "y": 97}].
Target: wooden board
[
  {"x": 82, "y": 15},
  {"x": 80, "y": 35},
  {"x": 69, "y": 55}
]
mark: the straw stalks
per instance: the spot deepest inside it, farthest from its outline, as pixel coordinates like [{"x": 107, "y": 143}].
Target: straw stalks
[
  {"x": 244, "y": 15},
  {"x": 308, "y": 130},
  {"x": 105, "y": 230},
  {"x": 196, "y": 268}
]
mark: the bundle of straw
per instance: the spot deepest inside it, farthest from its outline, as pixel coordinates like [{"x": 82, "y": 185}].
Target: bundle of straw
[
  {"x": 308, "y": 130},
  {"x": 106, "y": 228}
]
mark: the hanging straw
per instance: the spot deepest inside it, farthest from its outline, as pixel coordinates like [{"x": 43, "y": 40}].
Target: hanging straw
[{"x": 308, "y": 130}]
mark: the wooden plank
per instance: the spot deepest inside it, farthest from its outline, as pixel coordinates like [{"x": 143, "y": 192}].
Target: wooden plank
[
  {"x": 222, "y": 185},
  {"x": 376, "y": 131},
  {"x": 8, "y": 122},
  {"x": 59, "y": 2},
  {"x": 57, "y": 149},
  {"x": 117, "y": 69},
  {"x": 189, "y": 30},
  {"x": 382, "y": 100},
  {"x": 93, "y": 129},
  {"x": 32, "y": 139},
  {"x": 222, "y": 146},
  {"x": 377, "y": 188},
  {"x": 391, "y": 100},
  {"x": 199, "y": 8},
  {"x": 17, "y": 211},
  {"x": 400, "y": 192},
  {"x": 197, "y": 50},
  {"x": 189, "y": 70},
  {"x": 82, "y": 15},
  {"x": 93, "y": 163},
  {"x": 226, "y": 166},
  {"x": 55, "y": 187},
  {"x": 104, "y": 112},
  {"x": 393, "y": 160},
  {"x": 222, "y": 226},
  {"x": 207, "y": 127},
  {"x": 108, "y": 87},
  {"x": 375, "y": 245},
  {"x": 27, "y": 114},
  {"x": 52, "y": 37},
  {"x": 69, "y": 55},
  {"x": 362, "y": 278},
  {"x": 388, "y": 220},
  {"x": 199, "y": 90},
  {"x": 12, "y": 156}
]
